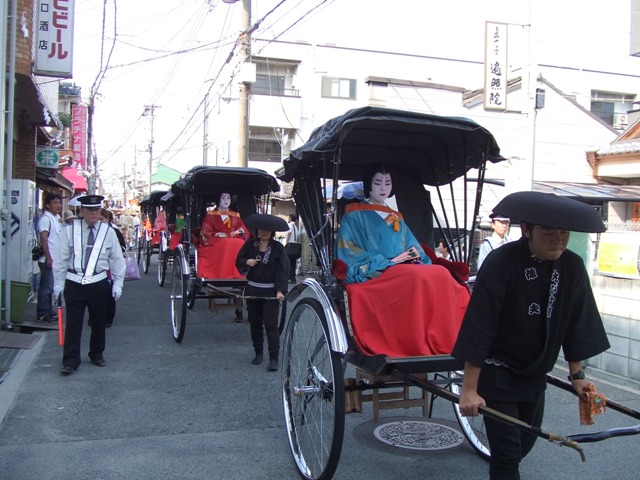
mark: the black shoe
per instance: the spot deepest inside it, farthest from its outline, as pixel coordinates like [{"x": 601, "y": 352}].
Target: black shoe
[
  {"x": 66, "y": 370},
  {"x": 47, "y": 318},
  {"x": 257, "y": 360},
  {"x": 99, "y": 362},
  {"x": 273, "y": 365}
]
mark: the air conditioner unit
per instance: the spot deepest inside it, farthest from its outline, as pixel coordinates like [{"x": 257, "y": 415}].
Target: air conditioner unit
[{"x": 620, "y": 120}]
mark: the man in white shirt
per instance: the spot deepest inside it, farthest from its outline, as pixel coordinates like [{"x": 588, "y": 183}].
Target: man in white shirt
[
  {"x": 49, "y": 229},
  {"x": 500, "y": 225},
  {"x": 88, "y": 250}
]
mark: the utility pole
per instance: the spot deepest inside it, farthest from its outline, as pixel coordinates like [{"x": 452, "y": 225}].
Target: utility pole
[
  {"x": 149, "y": 110},
  {"x": 205, "y": 136},
  {"x": 245, "y": 87}
]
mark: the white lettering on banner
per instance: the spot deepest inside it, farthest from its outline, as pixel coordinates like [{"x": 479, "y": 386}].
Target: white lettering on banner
[
  {"x": 79, "y": 135},
  {"x": 54, "y": 38},
  {"x": 495, "y": 66}
]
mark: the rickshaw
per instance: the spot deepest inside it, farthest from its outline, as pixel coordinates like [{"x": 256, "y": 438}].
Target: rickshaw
[
  {"x": 150, "y": 239},
  {"x": 201, "y": 186},
  {"x": 439, "y": 170}
]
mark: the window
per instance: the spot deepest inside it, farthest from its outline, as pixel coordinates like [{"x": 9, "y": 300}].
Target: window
[
  {"x": 611, "y": 107},
  {"x": 338, "y": 87},
  {"x": 269, "y": 85},
  {"x": 263, "y": 146}
]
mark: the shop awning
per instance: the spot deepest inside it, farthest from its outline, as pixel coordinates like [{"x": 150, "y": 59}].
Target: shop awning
[
  {"x": 72, "y": 174},
  {"x": 52, "y": 178}
]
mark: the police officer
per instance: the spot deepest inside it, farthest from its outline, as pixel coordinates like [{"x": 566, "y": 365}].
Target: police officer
[{"x": 88, "y": 249}]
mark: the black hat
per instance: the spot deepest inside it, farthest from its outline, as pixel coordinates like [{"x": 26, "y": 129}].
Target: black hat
[
  {"x": 268, "y": 222},
  {"x": 501, "y": 218},
  {"x": 551, "y": 210},
  {"x": 91, "y": 201}
]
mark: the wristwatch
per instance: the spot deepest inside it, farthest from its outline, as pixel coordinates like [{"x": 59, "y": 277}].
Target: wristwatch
[{"x": 579, "y": 375}]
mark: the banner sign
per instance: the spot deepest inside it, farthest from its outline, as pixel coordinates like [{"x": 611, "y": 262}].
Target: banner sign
[
  {"x": 618, "y": 254},
  {"x": 54, "y": 38},
  {"x": 47, "y": 157},
  {"x": 495, "y": 66},
  {"x": 79, "y": 135}
]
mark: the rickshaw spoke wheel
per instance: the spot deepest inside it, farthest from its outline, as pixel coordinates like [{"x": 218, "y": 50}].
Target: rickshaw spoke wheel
[
  {"x": 179, "y": 292},
  {"x": 313, "y": 392},
  {"x": 472, "y": 427},
  {"x": 147, "y": 256}
]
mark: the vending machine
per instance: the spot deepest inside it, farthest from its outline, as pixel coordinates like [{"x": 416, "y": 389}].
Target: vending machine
[{"x": 19, "y": 225}]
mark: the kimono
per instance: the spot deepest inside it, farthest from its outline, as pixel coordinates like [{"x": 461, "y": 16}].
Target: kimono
[
  {"x": 521, "y": 312},
  {"x": 216, "y": 254},
  {"x": 398, "y": 310},
  {"x": 366, "y": 242}
]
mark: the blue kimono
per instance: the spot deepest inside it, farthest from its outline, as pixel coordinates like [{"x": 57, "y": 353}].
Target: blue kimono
[{"x": 366, "y": 242}]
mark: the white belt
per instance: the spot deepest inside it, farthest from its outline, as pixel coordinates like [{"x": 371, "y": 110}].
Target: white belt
[
  {"x": 74, "y": 277},
  {"x": 261, "y": 285}
]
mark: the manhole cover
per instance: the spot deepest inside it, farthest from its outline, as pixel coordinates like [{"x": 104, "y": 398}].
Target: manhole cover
[{"x": 418, "y": 435}]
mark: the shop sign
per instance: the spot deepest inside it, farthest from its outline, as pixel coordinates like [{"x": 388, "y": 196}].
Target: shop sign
[
  {"x": 47, "y": 157},
  {"x": 54, "y": 38}
]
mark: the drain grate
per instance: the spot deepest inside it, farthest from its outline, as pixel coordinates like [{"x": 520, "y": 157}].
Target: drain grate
[{"x": 418, "y": 435}]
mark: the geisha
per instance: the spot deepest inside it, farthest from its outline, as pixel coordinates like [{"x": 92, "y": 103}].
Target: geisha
[
  {"x": 406, "y": 306},
  {"x": 222, "y": 222}
]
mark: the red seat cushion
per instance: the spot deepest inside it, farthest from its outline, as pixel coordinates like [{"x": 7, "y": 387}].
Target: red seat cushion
[
  {"x": 219, "y": 259},
  {"x": 410, "y": 310}
]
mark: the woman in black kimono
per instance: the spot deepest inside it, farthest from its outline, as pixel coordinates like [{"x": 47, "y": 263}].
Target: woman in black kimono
[
  {"x": 531, "y": 298},
  {"x": 266, "y": 265}
]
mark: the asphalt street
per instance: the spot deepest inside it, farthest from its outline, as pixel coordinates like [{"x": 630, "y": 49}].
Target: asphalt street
[{"x": 200, "y": 410}]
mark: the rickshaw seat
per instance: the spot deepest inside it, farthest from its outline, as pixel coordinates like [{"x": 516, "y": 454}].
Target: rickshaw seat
[
  {"x": 218, "y": 260},
  {"x": 409, "y": 310}
]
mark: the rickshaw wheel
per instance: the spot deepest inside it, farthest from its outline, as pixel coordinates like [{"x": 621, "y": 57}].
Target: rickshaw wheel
[
  {"x": 191, "y": 296},
  {"x": 313, "y": 392},
  {"x": 473, "y": 428},
  {"x": 162, "y": 266},
  {"x": 179, "y": 300},
  {"x": 147, "y": 256}
]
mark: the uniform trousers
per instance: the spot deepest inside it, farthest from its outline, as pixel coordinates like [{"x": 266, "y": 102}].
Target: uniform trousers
[
  {"x": 78, "y": 297},
  {"x": 264, "y": 313},
  {"x": 509, "y": 444}
]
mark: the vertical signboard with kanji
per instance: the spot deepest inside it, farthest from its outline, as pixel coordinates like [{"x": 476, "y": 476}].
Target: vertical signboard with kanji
[
  {"x": 54, "y": 38},
  {"x": 79, "y": 135},
  {"x": 495, "y": 66}
]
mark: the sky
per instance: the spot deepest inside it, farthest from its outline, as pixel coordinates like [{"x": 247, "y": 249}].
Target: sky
[{"x": 169, "y": 53}]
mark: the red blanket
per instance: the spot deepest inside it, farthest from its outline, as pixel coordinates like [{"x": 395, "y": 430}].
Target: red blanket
[
  {"x": 176, "y": 238},
  {"x": 409, "y": 310},
  {"x": 219, "y": 260}
]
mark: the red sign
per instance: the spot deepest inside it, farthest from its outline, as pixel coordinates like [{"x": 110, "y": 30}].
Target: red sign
[{"x": 79, "y": 135}]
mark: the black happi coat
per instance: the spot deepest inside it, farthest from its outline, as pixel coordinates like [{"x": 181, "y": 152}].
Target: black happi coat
[
  {"x": 522, "y": 311},
  {"x": 273, "y": 267}
]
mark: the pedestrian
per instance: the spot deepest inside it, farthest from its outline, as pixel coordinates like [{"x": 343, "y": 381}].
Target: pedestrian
[
  {"x": 69, "y": 217},
  {"x": 266, "y": 265},
  {"x": 49, "y": 229},
  {"x": 293, "y": 237},
  {"x": 106, "y": 217},
  {"x": 500, "y": 225},
  {"x": 88, "y": 250},
  {"x": 531, "y": 297}
]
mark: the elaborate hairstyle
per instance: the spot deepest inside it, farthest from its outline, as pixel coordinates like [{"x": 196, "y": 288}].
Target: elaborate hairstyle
[{"x": 370, "y": 171}]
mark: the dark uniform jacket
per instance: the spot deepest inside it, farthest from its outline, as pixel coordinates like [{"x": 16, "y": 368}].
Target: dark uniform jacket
[
  {"x": 522, "y": 311},
  {"x": 272, "y": 269}
]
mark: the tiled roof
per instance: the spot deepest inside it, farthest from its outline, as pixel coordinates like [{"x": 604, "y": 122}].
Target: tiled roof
[{"x": 620, "y": 148}]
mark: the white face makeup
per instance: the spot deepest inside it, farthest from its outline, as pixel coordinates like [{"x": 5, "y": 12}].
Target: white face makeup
[
  {"x": 225, "y": 201},
  {"x": 381, "y": 187}
]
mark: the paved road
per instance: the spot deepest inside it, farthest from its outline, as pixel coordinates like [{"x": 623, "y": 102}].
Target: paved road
[{"x": 200, "y": 410}]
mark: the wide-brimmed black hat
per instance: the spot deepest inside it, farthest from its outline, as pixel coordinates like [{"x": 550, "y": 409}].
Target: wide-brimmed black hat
[
  {"x": 265, "y": 221},
  {"x": 551, "y": 210}
]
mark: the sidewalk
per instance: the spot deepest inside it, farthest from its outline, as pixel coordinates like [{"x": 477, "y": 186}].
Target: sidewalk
[{"x": 18, "y": 348}]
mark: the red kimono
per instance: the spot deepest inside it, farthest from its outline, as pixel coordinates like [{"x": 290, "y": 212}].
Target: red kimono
[{"x": 216, "y": 255}]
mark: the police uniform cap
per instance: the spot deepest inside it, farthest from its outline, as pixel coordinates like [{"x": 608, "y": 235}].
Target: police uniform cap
[{"x": 91, "y": 201}]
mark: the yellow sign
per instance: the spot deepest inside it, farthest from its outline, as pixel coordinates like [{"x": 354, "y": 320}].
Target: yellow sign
[{"x": 618, "y": 253}]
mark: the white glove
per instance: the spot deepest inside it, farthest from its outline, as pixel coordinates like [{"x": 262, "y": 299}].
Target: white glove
[
  {"x": 116, "y": 292},
  {"x": 57, "y": 291}
]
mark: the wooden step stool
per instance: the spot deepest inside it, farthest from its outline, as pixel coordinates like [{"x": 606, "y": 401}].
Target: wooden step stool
[{"x": 392, "y": 397}]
